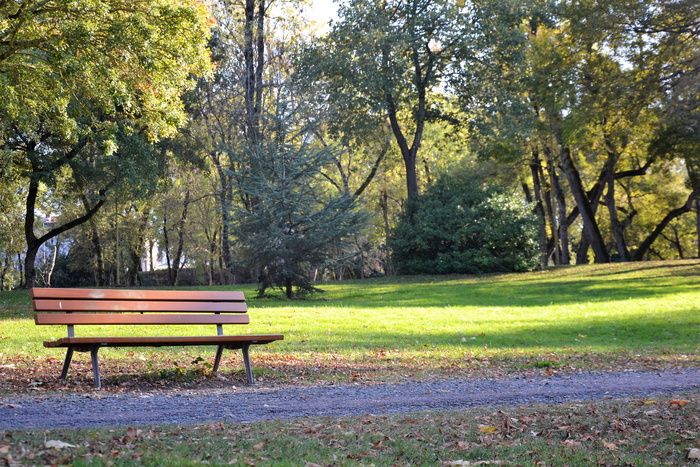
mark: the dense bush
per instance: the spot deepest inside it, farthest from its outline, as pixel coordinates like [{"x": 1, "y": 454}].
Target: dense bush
[{"x": 459, "y": 226}]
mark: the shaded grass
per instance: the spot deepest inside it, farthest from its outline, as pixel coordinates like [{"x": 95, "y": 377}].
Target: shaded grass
[{"x": 617, "y": 316}]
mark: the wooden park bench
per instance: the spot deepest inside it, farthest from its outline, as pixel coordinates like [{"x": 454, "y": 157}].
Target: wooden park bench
[{"x": 73, "y": 307}]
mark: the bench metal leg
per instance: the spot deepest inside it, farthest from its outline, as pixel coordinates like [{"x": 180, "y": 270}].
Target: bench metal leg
[
  {"x": 95, "y": 366},
  {"x": 66, "y": 363},
  {"x": 246, "y": 361},
  {"x": 217, "y": 360}
]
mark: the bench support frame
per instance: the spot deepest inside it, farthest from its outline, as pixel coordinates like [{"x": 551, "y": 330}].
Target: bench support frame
[{"x": 93, "y": 349}]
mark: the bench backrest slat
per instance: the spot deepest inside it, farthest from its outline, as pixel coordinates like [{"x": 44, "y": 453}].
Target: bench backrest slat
[
  {"x": 132, "y": 318},
  {"x": 139, "y": 295},
  {"x": 138, "y": 306}
]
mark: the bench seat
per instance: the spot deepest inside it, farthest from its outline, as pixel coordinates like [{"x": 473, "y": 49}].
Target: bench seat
[{"x": 229, "y": 342}]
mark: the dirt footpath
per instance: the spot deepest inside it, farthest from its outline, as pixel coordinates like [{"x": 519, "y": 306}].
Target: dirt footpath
[{"x": 258, "y": 403}]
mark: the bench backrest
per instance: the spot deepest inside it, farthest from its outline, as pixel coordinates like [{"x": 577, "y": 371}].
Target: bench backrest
[{"x": 108, "y": 306}]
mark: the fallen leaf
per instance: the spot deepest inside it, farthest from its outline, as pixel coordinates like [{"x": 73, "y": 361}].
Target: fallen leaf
[
  {"x": 57, "y": 444},
  {"x": 610, "y": 446},
  {"x": 570, "y": 442},
  {"x": 259, "y": 446},
  {"x": 679, "y": 402},
  {"x": 694, "y": 453},
  {"x": 487, "y": 429}
]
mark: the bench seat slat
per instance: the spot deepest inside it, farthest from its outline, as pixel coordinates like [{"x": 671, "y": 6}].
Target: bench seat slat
[
  {"x": 139, "y": 295},
  {"x": 134, "y": 318},
  {"x": 146, "y": 306},
  {"x": 233, "y": 341}
]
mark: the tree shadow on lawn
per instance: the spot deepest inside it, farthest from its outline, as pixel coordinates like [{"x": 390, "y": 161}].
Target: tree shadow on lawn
[
  {"x": 555, "y": 286},
  {"x": 514, "y": 293}
]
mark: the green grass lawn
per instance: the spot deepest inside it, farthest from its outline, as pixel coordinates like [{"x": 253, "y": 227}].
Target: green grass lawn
[{"x": 598, "y": 317}]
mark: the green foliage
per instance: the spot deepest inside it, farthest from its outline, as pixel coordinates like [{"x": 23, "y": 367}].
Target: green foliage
[
  {"x": 295, "y": 222},
  {"x": 458, "y": 226},
  {"x": 88, "y": 86},
  {"x": 387, "y": 61}
]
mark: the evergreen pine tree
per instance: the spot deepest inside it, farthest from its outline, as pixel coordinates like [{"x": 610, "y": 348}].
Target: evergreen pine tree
[{"x": 294, "y": 223}]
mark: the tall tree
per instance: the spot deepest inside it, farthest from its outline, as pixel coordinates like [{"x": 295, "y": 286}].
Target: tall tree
[
  {"x": 86, "y": 84},
  {"x": 250, "y": 46},
  {"x": 384, "y": 61}
]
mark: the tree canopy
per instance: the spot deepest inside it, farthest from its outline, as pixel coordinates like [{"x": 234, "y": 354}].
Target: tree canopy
[{"x": 87, "y": 87}]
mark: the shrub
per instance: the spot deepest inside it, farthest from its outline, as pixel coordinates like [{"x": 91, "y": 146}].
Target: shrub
[{"x": 460, "y": 227}]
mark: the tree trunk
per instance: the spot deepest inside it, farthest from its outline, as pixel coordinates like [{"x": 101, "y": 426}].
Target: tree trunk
[
  {"x": 384, "y": 205},
  {"x": 29, "y": 261},
  {"x": 225, "y": 201},
  {"x": 7, "y": 264},
  {"x": 562, "y": 224},
  {"x": 697, "y": 224},
  {"x": 166, "y": 248},
  {"x": 289, "y": 289},
  {"x": 617, "y": 228},
  {"x": 590, "y": 226},
  {"x": 136, "y": 250},
  {"x": 535, "y": 170},
  {"x": 409, "y": 153},
  {"x": 177, "y": 260},
  {"x": 254, "y": 58},
  {"x": 52, "y": 265},
  {"x": 100, "y": 276}
]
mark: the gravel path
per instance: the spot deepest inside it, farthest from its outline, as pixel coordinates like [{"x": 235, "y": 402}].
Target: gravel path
[{"x": 251, "y": 404}]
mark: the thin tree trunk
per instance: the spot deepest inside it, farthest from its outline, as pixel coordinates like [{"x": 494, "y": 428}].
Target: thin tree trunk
[
  {"x": 384, "y": 204},
  {"x": 136, "y": 250},
  {"x": 177, "y": 260},
  {"x": 535, "y": 170},
  {"x": 166, "y": 247},
  {"x": 697, "y": 224},
  {"x": 225, "y": 201},
  {"x": 52, "y": 264},
  {"x": 100, "y": 276}
]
